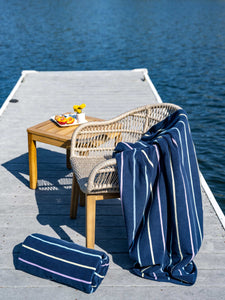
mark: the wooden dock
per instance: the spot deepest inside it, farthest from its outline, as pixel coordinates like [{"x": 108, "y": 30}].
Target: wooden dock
[{"x": 46, "y": 210}]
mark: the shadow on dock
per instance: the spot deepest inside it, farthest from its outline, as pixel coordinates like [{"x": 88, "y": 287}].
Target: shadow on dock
[{"x": 53, "y": 202}]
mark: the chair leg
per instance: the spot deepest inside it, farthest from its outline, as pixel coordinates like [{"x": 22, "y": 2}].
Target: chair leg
[
  {"x": 74, "y": 198},
  {"x": 90, "y": 220},
  {"x": 82, "y": 198}
]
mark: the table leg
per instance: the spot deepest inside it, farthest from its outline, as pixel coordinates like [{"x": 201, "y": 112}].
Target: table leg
[
  {"x": 68, "y": 164},
  {"x": 32, "y": 152}
]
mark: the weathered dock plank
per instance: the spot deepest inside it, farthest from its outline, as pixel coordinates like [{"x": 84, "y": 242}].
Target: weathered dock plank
[{"x": 46, "y": 210}]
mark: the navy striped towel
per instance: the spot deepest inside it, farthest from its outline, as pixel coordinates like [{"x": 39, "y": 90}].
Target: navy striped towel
[
  {"x": 64, "y": 262},
  {"x": 161, "y": 200}
]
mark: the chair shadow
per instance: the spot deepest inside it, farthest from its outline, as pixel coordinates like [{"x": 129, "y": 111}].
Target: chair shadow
[{"x": 53, "y": 202}]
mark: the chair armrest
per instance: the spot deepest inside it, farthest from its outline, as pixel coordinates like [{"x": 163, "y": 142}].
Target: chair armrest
[{"x": 104, "y": 176}]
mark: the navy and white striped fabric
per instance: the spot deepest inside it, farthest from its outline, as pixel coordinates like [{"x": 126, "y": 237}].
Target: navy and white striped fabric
[
  {"x": 63, "y": 261},
  {"x": 161, "y": 200}
]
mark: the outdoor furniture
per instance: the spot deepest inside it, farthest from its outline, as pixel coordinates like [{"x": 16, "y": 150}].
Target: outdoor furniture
[
  {"x": 95, "y": 171},
  {"x": 48, "y": 132}
]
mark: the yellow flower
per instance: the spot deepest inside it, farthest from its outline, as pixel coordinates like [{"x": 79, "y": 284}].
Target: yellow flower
[
  {"x": 78, "y": 108},
  {"x": 82, "y": 105}
]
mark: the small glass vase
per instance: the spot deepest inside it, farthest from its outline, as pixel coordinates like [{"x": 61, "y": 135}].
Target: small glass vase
[{"x": 81, "y": 117}]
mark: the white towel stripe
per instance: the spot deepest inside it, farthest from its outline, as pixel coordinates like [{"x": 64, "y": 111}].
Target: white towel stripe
[
  {"x": 159, "y": 203},
  {"x": 150, "y": 162},
  {"x": 58, "y": 258},
  {"x": 175, "y": 207}
]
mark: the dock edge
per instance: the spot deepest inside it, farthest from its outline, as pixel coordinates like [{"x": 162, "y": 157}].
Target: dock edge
[
  {"x": 12, "y": 93},
  {"x": 213, "y": 201}
]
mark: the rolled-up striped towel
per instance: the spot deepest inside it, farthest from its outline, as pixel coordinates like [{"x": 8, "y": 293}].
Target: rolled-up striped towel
[{"x": 63, "y": 261}]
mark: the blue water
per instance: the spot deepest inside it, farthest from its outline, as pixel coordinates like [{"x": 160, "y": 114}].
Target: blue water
[{"x": 182, "y": 43}]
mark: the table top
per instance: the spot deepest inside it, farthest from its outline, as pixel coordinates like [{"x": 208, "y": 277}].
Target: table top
[{"x": 49, "y": 129}]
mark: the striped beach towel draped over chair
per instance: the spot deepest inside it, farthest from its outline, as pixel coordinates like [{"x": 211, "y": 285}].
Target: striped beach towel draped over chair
[
  {"x": 64, "y": 262},
  {"x": 161, "y": 200}
]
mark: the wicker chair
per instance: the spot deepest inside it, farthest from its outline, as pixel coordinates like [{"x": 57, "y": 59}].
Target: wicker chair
[{"x": 95, "y": 173}]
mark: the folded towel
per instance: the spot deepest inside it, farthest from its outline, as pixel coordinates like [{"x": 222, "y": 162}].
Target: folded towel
[{"x": 63, "y": 261}]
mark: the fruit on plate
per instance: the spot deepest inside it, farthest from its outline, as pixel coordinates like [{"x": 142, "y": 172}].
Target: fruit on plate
[
  {"x": 69, "y": 120},
  {"x": 62, "y": 120}
]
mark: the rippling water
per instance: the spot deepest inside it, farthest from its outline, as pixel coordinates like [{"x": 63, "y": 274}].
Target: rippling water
[{"x": 182, "y": 43}]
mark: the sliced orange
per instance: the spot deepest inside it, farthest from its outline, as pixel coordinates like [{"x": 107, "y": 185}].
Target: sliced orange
[{"x": 69, "y": 120}]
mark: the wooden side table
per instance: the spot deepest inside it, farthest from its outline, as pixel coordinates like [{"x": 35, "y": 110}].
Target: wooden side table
[{"x": 49, "y": 132}]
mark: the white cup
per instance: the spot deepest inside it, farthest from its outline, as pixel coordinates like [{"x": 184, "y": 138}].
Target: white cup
[{"x": 81, "y": 117}]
